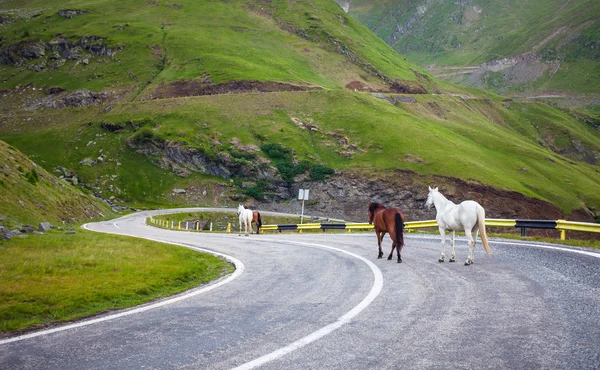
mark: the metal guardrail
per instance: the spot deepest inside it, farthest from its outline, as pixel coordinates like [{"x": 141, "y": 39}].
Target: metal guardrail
[{"x": 561, "y": 225}]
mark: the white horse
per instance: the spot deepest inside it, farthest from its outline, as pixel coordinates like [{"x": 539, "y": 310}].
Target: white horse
[
  {"x": 245, "y": 217},
  {"x": 468, "y": 216}
]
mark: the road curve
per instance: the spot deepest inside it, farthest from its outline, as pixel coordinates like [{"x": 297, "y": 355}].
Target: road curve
[{"x": 302, "y": 301}]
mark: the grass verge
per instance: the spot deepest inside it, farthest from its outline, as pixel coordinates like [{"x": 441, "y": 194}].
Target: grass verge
[{"x": 57, "y": 277}]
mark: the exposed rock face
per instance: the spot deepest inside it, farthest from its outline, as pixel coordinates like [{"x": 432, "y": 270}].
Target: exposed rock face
[
  {"x": 78, "y": 98},
  {"x": 183, "y": 160},
  {"x": 176, "y": 157},
  {"x": 70, "y": 13},
  {"x": 38, "y": 54},
  {"x": 46, "y": 226}
]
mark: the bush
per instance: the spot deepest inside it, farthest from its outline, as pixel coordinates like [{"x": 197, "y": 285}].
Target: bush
[
  {"x": 276, "y": 151},
  {"x": 320, "y": 172},
  {"x": 32, "y": 176},
  {"x": 145, "y": 136}
]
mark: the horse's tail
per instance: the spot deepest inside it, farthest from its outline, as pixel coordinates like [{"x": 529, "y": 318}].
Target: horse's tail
[
  {"x": 259, "y": 222},
  {"x": 481, "y": 222},
  {"x": 399, "y": 223}
]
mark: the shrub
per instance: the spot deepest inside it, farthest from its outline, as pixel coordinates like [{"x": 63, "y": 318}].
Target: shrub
[
  {"x": 320, "y": 172},
  {"x": 276, "y": 151},
  {"x": 145, "y": 136},
  {"x": 32, "y": 176}
]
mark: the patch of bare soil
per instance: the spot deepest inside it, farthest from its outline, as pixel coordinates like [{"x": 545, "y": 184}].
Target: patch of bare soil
[
  {"x": 396, "y": 87},
  {"x": 196, "y": 88}
]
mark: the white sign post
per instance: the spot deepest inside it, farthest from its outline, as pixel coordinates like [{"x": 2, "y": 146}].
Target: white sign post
[{"x": 302, "y": 195}]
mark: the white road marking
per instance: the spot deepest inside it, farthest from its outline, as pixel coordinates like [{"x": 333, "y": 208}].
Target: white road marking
[
  {"x": 519, "y": 244},
  {"x": 373, "y": 293},
  {"x": 592, "y": 254}
]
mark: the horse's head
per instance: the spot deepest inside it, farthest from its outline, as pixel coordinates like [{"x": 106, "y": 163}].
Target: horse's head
[
  {"x": 372, "y": 207},
  {"x": 430, "y": 196},
  {"x": 240, "y": 208}
]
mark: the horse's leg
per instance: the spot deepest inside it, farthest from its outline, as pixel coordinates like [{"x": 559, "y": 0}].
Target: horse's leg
[
  {"x": 453, "y": 256},
  {"x": 392, "y": 251},
  {"x": 240, "y": 226},
  {"x": 471, "y": 241},
  {"x": 476, "y": 228},
  {"x": 380, "y": 235},
  {"x": 248, "y": 226},
  {"x": 399, "y": 250},
  {"x": 443, "y": 235}
]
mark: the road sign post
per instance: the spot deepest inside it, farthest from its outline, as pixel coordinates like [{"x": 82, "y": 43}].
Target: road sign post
[{"x": 302, "y": 195}]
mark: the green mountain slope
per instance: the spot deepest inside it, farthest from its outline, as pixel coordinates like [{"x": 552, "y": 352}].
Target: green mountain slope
[
  {"x": 134, "y": 46},
  {"x": 507, "y": 46},
  {"x": 246, "y": 100},
  {"x": 29, "y": 194}
]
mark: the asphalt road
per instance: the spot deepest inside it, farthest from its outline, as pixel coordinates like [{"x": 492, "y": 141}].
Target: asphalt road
[{"x": 308, "y": 301}]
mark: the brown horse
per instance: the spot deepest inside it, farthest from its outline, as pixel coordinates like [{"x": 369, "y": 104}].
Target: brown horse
[
  {"x": 257, "y": 220},
  {"x": 390, "y": 220}
]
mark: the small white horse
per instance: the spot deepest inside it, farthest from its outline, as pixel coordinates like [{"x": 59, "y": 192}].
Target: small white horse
[
  {"x": 468, "y": 216},
  {"x": 245, "y": 217}
]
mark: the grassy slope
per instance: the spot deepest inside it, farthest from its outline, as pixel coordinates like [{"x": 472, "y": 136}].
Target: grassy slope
[
  {"x": 229, "y": 42},
  {"x": 31, "y": 199}
]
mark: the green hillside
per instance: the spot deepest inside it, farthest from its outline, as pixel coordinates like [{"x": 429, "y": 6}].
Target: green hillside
[
  {"x": 30, "y": 195},
  {"x": 134, "y": 46},
  {"x": 243, "y": 100},
  {"x": 507, "y": 46}
]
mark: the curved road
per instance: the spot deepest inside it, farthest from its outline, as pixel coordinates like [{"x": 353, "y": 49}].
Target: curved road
[{"x": 300, "y": 301}]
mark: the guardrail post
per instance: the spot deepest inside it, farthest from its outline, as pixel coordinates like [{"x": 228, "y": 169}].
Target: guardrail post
[
  {"x": 229, "y": 227},
  {"x": 197, "y": 225},
  {"x": 563, "y": 234},
  {"x": 523, "y": 233}
]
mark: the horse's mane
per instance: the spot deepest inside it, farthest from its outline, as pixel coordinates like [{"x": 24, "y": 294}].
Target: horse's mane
[{"x": 374, "y": 205}]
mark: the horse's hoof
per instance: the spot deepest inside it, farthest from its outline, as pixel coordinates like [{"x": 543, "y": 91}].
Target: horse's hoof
[
  {"x": 441, "y": 259},
  {"x": 379, "y": 257},
  {"x": 468, "y": 262},
  {"x": 452, "y": 260},
  {"x": 389, "y": 258},
  {"x": 400, "y": 260}
]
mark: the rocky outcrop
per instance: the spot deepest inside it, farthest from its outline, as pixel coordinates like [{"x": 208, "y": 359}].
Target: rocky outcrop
[
  {"x": 38, "y": 55},
  {"x": 70, "y": 13},
  {"x": 78, "y": 98},
  {"x": 183, "y": 160}
]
